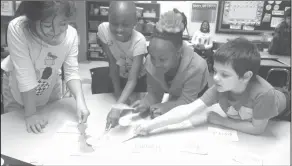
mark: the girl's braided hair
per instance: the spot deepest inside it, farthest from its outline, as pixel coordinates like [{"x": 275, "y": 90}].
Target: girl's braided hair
[{"x": 171, "y": 26}]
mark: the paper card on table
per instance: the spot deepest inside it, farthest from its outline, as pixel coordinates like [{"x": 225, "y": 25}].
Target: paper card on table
[
  {"x": 247, "y": 159},
  {"x": 195, "y": 147},
  {"x": 224, "y": 134},
  {"x": 145, "y": 148},
  {"x": 69, "y": 127},
  {"x": 71, "y": 144},
  {"x": 115, "y": 135}
]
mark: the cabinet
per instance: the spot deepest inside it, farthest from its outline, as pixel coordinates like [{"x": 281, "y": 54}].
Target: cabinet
[
  {"x": 8, "y": 9},
  {"x": 97, "y": 12}
]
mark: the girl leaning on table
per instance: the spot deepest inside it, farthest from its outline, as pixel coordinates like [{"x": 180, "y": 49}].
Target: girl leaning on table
[
  {"x": 40, "y": 41},
  {"x": 172, "y": 67}
]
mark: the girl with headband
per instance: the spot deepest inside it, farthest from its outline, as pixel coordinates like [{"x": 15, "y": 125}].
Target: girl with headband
[{"x": 172, "y": 67}]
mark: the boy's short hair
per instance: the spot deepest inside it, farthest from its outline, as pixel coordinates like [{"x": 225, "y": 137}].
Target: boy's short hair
[{"x": 241, "y": 54}]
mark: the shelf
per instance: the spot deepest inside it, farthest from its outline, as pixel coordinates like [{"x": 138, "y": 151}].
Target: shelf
[
  {"x": 96, "y": 59},
  {"x": 97, "y": 18},
  {"x": 92, "y": 30}
]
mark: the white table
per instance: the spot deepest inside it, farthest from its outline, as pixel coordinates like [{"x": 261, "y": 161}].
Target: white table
[{"x": 272, "y": 146}]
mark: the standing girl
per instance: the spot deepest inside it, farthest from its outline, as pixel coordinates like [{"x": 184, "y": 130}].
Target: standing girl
[{"x": 40, "y": 41}]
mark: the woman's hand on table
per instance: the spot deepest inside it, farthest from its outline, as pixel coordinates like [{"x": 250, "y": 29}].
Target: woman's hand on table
[
  {"x": 139, "y": 106},
  {"x": 35, "y": 123}
]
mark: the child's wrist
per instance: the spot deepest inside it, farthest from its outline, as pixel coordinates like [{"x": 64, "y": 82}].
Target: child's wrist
[{"x": 29, "y": 112}]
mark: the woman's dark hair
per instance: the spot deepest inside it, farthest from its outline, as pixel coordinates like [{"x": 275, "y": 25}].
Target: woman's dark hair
[
  {"x": 40, "y": 10},
  {"x": 205, "y": 21}
]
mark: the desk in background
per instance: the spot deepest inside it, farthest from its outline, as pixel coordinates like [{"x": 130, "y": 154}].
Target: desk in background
[
  {"x": 272, "y": 146},
  {"x": 283, "y": 59}
]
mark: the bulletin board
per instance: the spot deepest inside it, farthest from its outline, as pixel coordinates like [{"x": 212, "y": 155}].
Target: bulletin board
[
  {"x": 250, "y": 17},
  {"x": 203, "y": 11},
  {"x": 7, "y": 8}
]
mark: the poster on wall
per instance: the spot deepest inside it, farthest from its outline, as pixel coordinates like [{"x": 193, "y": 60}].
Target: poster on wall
[
  {"x": 243, "y": 12},
  {"x": 203, "y": 11},
  {"x": 7, "y": 8},
  {"x": 249, "y": 17}
]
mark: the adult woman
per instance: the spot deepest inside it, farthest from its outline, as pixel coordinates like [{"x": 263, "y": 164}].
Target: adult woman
[{"x": 202, "y": 42}]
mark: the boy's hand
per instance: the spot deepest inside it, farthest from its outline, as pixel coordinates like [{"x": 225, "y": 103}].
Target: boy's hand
[
  {"x": 139, "y": 107},
  {"x": 35, "y": 123},
  {"x": 156, "y": 110},
  {"x": 214, "y": 118},
  {"x": 142, "y": 129}
]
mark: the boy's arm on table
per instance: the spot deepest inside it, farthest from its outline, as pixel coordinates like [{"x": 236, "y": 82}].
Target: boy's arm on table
[
  {"x": 154, "y": 91},
  {"x": 184, "y": 112},
  {"x": 264, "y": 109},
  {"x": 191, "y": 89},
  {"x": 251, "y": 127},
  {"x": 177, "y": 114},
  {"x": 132, "y": 78},
  {"x": 113, "y": 68}
]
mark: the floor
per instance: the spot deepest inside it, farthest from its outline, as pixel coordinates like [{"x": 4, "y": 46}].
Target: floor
[{"x": 84, "y": 70}]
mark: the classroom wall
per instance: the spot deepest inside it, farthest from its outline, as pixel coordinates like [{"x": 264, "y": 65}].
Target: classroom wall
[{"x": 186, "y": 7}]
